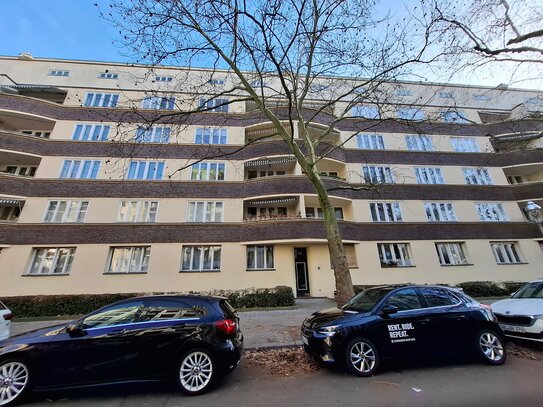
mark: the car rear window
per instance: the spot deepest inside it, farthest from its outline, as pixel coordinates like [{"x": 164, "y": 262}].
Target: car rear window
[{"x": 436, "y": 297}]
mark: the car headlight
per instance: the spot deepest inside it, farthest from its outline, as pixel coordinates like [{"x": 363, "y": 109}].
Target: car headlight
[{"x": 328, "y": 330}]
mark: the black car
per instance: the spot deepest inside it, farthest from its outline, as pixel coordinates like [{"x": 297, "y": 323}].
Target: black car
[
  {"x": 192, "y": 339},
  {"x": 403, "y": 322}
]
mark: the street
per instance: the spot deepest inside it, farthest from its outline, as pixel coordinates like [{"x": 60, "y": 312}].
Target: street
[{"x": 445, "y": 384}]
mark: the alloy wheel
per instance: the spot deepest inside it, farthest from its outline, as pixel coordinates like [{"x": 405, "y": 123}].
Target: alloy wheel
[
  {"x": 363, "y": 357},
  {"x": 13, "y": 380},
  {"x": 491, "y": 346},
  {"x": 196, "y": 371}
]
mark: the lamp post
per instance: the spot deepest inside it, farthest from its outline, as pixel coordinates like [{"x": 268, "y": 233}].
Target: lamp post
[{"x": 533, "y": 212}]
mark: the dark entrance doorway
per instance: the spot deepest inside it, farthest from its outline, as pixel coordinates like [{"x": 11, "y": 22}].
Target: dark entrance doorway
[{"x": 300, "y": 267}]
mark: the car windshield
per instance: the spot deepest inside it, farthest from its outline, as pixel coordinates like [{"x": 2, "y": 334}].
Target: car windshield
[
  {"x": 366, "y": 300},
  {"x": 530, "y": 290}
]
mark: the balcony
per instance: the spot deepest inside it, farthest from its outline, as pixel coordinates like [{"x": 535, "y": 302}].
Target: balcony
[
  {"x": 10, "y": 209},
  {"x": 270, "y": 166},
  {"x": 526, "y": 173},
  {"x": 26, "y": 124},
  {"x": 276, "y": 208},
  {"x": 24, "y": 165}
]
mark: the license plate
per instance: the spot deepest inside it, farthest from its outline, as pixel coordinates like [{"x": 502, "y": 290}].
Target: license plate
[
  {"x": 513, "y": 328},
  {"x": 304, "y": 340}
]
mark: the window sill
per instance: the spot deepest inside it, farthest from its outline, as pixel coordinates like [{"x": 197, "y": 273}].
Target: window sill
[
  {"x": 397, "y": 267},
  {"x": 199, "y": 271},
  {"x": 456, "y": 265},
  {"x": 512, "y": 264},
  {"x": 122, "y": 274},
  {"x": 259, "y": 269},
  {"x": 45, "y": 275}
]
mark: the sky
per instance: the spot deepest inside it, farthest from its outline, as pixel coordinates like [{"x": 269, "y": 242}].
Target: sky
[{"x": 73, "y": 29}]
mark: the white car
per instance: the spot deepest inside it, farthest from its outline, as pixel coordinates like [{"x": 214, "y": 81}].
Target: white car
[
  {"x": 521, "y": 316},
  {"x": 5, "y": 320}
]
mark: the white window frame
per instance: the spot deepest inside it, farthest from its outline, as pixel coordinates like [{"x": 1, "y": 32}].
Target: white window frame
[
  {"x": 370, "y": 141},
  {"x": 261, "y": 259},
  {"x": 153, "y": 134},
  {"x": 508, "y": 251},
  {"x": 452, "y": 253},
  {"x": 59, "y": 211},
  {"x": 137, "y": 211},
  {"x": 386, "y": 212},
  {"x": 136, "y": 259},
  {"x": 208, "y": 171},
  {"x": 53, "y": 261},
  {"x": 454, "y": 116},
  {"x": 205, "y": 211},
  {"x": 108, "y": 75},
  {"x": 465, "y": 145},
  {"x": 211, "y": 135},
  {"x": 158, "y": 102},
  {"x": 445, "y": 95},
  {"x": 93, "y": 99},
  {"x": 91, "y": 132},
  {"x": 221, "y": 105},
  {"x": 206, "y": 254},
  {"x": 440, "y": 211},
  {"x": 410, "y": 113},
  {"x": 365, "y": 112},
  {"x": 59, "y": 72},
  {"x": 429, "y": 175},
  {"x": 163, "y": 78},
  {"x": 491, "y": 212},
  {"x": 149, "y": 170},
  {"x": 477, "y": 176},
  {"x": 80, "y": 169},
  {"x": 419, "y": 142},
  {"x": 374, "y": 174},
  {"x": 400, "y": 255}
]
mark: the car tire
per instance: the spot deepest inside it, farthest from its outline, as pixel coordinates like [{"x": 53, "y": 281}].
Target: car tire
[
  {"x": 14, "y": 381},
  {"x": 490, "y": 347},
  {"x": 361, "y": 357},
  {"x": 197, "y": 372}
]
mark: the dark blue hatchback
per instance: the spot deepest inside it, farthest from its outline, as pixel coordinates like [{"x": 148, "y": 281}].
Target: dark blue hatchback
[
  {"x": 403, "y": 322},
  {"x": 192, "y": 339}
]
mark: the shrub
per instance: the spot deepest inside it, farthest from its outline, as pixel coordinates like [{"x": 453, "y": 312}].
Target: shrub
[{"x": 57, "y": 305}]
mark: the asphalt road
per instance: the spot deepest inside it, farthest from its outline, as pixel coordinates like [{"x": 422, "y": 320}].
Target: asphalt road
[{"x": 517, "y": 383}]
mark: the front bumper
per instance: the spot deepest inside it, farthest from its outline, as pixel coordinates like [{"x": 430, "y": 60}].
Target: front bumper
[
  {"x": 531, "y": 332},
  {"x": 324, "y": 348}
]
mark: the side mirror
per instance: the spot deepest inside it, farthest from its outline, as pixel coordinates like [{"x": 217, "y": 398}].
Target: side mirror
[
  {"x": 389, "y": 310},
  {"x": 75, "y": 330}
]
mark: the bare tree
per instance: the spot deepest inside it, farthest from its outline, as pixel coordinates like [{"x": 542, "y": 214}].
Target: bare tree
[{"x": 302, "y": 64}]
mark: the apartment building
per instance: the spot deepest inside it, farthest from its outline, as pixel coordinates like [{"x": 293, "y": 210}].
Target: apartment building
[{"x": 95, "y": 199}]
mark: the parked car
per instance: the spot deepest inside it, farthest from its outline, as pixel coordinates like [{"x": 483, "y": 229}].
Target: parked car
[
  {"x": 5, "y": 321},
  {"x": 398, "y": 322},
  {"x": 192, "y": 339},
  {"x": 521, "y": 316}
]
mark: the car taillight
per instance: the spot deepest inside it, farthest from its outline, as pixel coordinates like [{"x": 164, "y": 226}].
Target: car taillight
[
  {"x": 7, "y": 317},
  {"x": 227, "y": 326}
]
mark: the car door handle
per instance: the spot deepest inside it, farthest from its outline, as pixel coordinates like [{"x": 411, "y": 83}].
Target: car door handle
[
  {"x": 117, "y": 332},
  {"x": 424, "y": 321},
  {"x": 460, "y": 317}
]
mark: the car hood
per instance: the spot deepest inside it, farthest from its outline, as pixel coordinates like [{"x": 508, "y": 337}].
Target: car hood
[
  {"x": 519, "y": 306},
  {"x": 326, "y": 317},
  {"x": 43, "y": 333}
]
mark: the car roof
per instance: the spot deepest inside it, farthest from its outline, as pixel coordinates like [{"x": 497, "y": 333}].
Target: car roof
[
  {"x": 395, "y": 286},
  {"x": 178, "y": 297}
]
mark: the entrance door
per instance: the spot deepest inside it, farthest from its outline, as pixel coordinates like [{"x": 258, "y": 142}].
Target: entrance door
[{"x": 300, "y": 266}]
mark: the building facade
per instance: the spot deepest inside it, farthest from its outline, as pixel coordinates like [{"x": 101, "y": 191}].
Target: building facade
[{"x": 94, "y": 198}]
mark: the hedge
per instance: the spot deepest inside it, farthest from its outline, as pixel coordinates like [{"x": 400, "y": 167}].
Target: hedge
[
  {"x": 474, "y": 288},
  {"x": 58, "y": 305}
]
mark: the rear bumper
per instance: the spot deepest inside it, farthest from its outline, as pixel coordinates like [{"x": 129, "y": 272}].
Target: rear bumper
[{"x": 229, "y": 353}]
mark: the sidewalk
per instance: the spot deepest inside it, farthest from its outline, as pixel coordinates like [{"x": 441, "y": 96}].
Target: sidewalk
[{"x": 262, "y": 329}]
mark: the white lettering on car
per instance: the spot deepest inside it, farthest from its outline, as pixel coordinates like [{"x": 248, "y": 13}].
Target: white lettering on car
[{"x": 400, "y": 332}]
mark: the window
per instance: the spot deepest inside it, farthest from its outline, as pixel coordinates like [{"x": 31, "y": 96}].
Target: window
[
  {"x": 205, "y": 212},
  {"x": 101, "y": 100},
  {"x": 158, "y": 102},
  {"x": 311, "y": 212},
  {"x": 81, "y": 169},
  {"x": 10, "y": 213},
  {"x": 201, "y": 258},
  {"x": 454, "y": 117},
  {"x": 429, "y": 175},
  {"x": 137, "y": 211},
  {"x": 419, "y": 142},
  {"x": 464, "y": 145},
  {"x": 216, "y": 81},
  {"x": 163, "y": 78},
  {"x": 451, "y": 254},
  {"x": 394, "y": 254},
  {"x": 410, "y": 113},
  {"x": 108, "y": 75},
  {"x": 58, "y": 72},
  {"x": 130, "y": 259},
  {"x": 162, "y": 309},
  {"x": 37, "y": 133},
  {"x": 259, "y": 257},
  {"x": 215, "y": 105},
  {"x": 481, "y": 97},
  {"x": 515, "y": 179},
  {"x": 491, "y": 212},
  {"x": 27, "y": 171},
  {"x": 404, "y": 300},
  {"x": 378, "y": 175},
  {"x": 208, "y": 171},
  {"x": 506, "y": 252},
  {"x": 370, "y": 141},
  {"x": 404, "y": 92},
  {"x": 206, "y": 135},
  {"x": 66, "y": 212},
  {"x": 436, "y": 297},
  {"x": 366, "y": 112},
  {"x": 153, "y": 134},
  {"x": 477, "y": 176},
  {"x": 440, "y": 211},
  {"x": 385, "y": 212},
  {"x": 51, "y": 260},
  {"x": 117, "y": 314},
  {"x": 145, "y": 170},
  {"x": 259, "y": 174},
  {"x": 445, "y": 95},
  {"x": 90, "y": 132}
]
